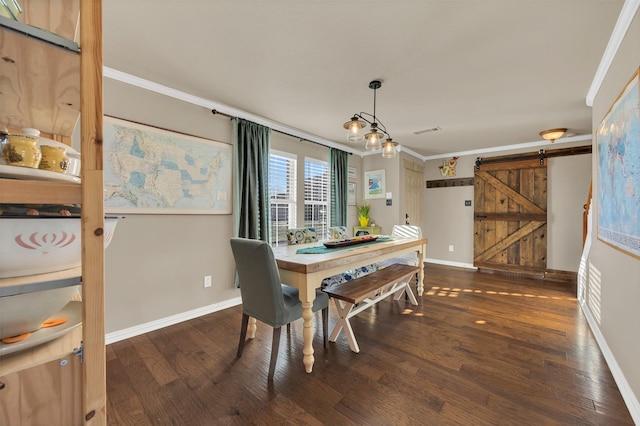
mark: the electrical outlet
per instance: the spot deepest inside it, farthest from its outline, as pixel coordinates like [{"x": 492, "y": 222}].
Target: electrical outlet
[
  {"x": 207, "y": 281},
  {"x": 450, "y": 248}
]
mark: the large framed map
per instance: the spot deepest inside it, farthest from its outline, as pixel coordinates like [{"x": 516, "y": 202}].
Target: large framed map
[
  {"x": 151, "y": 170},
  {"x": 618, "y": 142}
]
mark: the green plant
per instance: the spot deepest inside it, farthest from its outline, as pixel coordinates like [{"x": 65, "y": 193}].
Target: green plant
[{"x": 363, "y": 210}]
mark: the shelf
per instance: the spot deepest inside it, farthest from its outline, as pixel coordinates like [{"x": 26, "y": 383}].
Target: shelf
[
  {"x": 39, "y": 34},
  {"x": 40, "y": 84},
  {"x": 16, "y": 191},
  {"x": 47, "y": 281},
  {"x": 59, "y": 17},
  {"x": 41, "y": 87}
]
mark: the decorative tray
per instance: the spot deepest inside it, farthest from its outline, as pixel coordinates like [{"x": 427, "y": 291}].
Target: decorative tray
[{"x": 350, "y": 241}]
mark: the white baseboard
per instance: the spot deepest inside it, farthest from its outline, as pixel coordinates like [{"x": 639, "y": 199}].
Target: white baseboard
[
  {"x": 450, "y": 263},
  {"x": 126, "y": 333},
  {"x": 633, "y": 405}
]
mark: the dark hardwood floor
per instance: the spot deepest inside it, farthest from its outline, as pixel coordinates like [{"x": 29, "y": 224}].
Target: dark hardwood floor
[{"x": 479, "y": 349}]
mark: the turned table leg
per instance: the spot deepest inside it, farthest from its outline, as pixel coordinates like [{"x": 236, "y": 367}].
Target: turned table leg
[{"x": 307, "y": 334}]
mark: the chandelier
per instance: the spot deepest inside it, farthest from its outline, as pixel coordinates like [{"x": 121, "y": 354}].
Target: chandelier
[{"x": 377, "y": 130}]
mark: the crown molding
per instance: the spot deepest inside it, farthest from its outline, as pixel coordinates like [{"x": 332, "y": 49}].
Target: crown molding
[
  {"x": 628, "y": 12},
  {"x": 535, "y": 144},
  {"x": 142, "y": 83}
]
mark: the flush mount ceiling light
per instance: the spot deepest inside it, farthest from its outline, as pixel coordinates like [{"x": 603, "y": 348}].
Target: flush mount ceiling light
[
  {"x": 553, "y": 134},
  {"x": 377, "y": 130}
]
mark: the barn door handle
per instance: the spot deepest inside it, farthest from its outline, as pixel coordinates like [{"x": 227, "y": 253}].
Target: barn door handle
[{"x": 479, "y": 216}]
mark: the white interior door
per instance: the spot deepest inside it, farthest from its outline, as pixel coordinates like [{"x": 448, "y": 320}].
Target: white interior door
[{"x": 412, "y": 194}]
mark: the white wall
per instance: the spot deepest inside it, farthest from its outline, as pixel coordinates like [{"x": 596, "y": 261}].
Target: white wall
[
  {"x": 613, "y": 283},
  {"x": 568, "y": 180}
]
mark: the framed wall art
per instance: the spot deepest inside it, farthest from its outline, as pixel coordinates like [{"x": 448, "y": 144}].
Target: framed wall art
[
  {"x": 149, "y": 170},
  {"x": 374, "y": 184},
  {"x": 352, "y": 173},
  {"x": 351, "y": 194},
  {"x": 618, "y": 144}
]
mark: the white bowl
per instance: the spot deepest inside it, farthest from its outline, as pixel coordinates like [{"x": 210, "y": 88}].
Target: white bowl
[
  {"x": 25, "y": 312},
  {"x": 37, "y": 245}
]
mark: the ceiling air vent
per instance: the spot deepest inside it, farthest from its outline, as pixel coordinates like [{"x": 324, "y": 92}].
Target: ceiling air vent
[{"x": 433, "y": 129}]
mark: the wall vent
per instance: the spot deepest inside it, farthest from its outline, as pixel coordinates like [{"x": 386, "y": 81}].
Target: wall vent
[{"x": 433, "y": 129}]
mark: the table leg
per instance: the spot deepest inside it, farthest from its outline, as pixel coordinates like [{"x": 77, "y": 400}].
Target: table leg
[
  {"x": 421, "y": 254},
  {"x": 307, "y": 334},
  {"x": 251, "y": 328}
]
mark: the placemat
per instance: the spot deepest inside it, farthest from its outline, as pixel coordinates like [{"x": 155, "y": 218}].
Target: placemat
[{"x": 323, "y": 249}]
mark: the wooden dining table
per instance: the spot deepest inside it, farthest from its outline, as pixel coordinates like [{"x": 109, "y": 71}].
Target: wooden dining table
[{"x": 306, "y": 271}]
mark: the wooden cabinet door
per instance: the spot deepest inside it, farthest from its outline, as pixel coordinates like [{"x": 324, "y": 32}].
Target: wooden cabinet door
[
  {"x": 510, "y": 216},
  {"x": 47, "y": 394}
]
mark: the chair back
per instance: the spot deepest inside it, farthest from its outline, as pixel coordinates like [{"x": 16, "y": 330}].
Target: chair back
[
  {"x": 406, "y": 231},
  {"x": 259, "y": 279},
  {"x": 301, "y": 235},
  {"x": 338, "y": 232}
]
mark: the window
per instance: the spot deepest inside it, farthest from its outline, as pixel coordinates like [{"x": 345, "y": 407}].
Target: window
[
  {"x": 316, "y": 196},
  {"x": 282, "y": 193}
]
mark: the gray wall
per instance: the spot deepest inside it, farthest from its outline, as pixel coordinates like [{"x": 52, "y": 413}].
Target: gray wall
[
  {"x": 613, "y": 290},
  {"x": 156, "y": 263},
  {"x": 447, "y": 221},
  {"x": 383, "y": 215}
]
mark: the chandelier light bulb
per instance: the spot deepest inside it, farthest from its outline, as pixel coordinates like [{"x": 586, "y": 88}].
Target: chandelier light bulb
[
  {"x": 389, "y": 149},
  {"x": 373, "y": 141},
  {"x": 354, "y": 126}
]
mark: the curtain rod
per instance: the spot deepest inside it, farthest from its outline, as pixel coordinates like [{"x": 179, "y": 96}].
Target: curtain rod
[{"x": 216, "y": 112}]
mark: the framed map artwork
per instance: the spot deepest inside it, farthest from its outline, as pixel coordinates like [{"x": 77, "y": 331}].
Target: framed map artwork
[
  {"x": 151, "y": 170},
  {"x": 618, "y": 143}
]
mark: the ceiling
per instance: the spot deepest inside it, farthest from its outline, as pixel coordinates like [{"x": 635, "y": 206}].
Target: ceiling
[{"x": 487, "y": 73}]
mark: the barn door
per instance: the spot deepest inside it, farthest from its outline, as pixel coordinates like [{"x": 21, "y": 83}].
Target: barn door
[{"x": 510, "y": 216}]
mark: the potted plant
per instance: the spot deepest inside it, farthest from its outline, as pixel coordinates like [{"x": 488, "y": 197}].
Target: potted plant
[{"x": 363, "y": 213}]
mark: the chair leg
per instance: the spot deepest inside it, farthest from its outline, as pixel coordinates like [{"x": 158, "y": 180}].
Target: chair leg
[
  {"x": 243, "y": 333},
  {"x": 325, "y": 326},
  {"x": 275, "y": 345}
]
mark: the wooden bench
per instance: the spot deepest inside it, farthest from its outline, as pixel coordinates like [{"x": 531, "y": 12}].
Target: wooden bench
[{"x": 353, "y": 297}]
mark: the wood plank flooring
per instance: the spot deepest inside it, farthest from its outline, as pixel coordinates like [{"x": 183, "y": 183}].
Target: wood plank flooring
[{"x": 479, "y": 349}]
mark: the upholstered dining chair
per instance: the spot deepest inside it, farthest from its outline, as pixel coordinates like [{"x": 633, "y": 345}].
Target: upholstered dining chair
[
  {"x": 406, "y": 231},
  {"x": 265, "y": 298},
  {"x": 301, "y": 236},
  {"x": 338, "y": 232}
]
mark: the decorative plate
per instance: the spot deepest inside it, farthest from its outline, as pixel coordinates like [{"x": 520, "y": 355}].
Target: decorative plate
[{"x": 15, "y": 172}]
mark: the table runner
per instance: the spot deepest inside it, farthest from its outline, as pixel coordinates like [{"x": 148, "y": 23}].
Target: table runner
[{"x": 323, "y": 249}]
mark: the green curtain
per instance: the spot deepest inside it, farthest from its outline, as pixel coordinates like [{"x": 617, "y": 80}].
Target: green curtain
[
  {"x": 251, "y": 179},
  {"x": 339, "y": 165}
]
